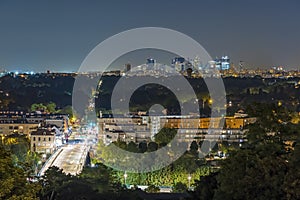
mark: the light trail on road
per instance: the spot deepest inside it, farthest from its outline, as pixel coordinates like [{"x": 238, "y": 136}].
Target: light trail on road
[{"x": 70, "y": 159}]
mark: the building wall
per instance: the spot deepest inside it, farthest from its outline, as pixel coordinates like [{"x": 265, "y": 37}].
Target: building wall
[
  {"x": 11, "y": 128},
  {"x": 42, "y": 143},
  {"x": 204, "y": 123},
  {"x": 124, "y": 129},
  {"x": 230, "y": 135},
  {"x": 228, "y": 128},
  {"x": 234, "y": 123}
]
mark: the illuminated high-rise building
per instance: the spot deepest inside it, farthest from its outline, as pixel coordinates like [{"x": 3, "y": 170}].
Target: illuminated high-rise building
[
  {"x": 223, "y": 63},
  {"x": 179, "y": 64}
]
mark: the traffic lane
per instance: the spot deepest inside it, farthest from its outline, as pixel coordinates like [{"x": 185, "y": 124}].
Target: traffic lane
[{"x": 69, "y": 159}]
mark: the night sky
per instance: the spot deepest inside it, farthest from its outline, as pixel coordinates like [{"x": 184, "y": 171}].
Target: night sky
[{"x": 57, "y": 35}]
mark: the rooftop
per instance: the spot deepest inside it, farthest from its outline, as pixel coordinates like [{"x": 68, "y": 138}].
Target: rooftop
[{"x": 43, "y": 132}]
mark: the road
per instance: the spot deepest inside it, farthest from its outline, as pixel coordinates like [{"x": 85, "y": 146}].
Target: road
[{"x": 70, "y": 158}]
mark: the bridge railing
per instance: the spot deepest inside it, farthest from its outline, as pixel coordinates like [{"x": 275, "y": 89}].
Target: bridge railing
[{"x": 50, "y": 160}]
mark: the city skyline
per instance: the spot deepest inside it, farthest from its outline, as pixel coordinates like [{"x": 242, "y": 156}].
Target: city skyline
[
  {"x": 152, "y": 99},
  {"x": 58, "y": 35}
]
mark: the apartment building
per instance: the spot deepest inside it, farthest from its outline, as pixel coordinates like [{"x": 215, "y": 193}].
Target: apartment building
[
  {"x": 42, "y": 141},
  {"x": 190, "y": 128},
  {"x": 20, "y": 126}
]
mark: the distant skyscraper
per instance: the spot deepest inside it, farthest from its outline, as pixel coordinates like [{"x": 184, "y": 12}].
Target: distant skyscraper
[
  {"x": 179, "y": 63},
  {"x": 150, "y": 61},
  {"x": 223, "y": 63}
]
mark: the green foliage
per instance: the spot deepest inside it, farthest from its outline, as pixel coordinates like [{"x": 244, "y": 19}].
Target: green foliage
[
  {"x": 143, "y": 147},
  {"x": 165, "y": 135},
  {"x": 77, "y": 189},
  {"x": 132, "y": 147},
  {"x": 205, "y": 187},
  {"x": 194, "y": 148},
  {"x": 120, "y": 144},
  {"x": 292, "y": 178},
  {"x": 13, "y": 181},
  {"x": 100, "y": 178},
  {"x": 93, "y": 183},
  {"x": 265, "y": 167},
  {"x": 49, "y": 107},
  {"x": 19, "y": 146},
  {"x": 152, "y": 146},
  {"x": 258, "y": 170},
  {"x": 52, "y": 181},
  {"x": 152, "y": 189},
  {"x": 248, "y": 175},
  {"x": 38, "y": 107},
  {"x": 187, "y": 164},
  {"x": 180, "y": 187},
  {"x": 169, "y": 176},
  {"x": 68, "y": 110},
  {"x": 89, "y": 185}
]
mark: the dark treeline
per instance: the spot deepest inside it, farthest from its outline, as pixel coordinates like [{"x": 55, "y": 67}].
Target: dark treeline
[{"x": 19, "y": 93}]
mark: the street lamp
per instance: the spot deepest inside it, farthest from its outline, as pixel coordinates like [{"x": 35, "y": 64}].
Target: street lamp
[
  {"x": 37, "y": 167},
  {"x": 44, "y": 157},
  {"x": 125, "y": 176},
  {"x": 189, "y": 178}
]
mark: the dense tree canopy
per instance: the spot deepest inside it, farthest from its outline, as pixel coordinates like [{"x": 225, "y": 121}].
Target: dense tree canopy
[
  {"x": 265, "y": 166},
  {"x": 13, "y": 179},
  {"x": 165, "y": 135}
]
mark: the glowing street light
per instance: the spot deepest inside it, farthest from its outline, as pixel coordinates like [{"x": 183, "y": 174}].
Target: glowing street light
[
  {"x": 125, "y": 177},
  {"x": 44, "y": 156},
  {"x": 189, "y": 179}
]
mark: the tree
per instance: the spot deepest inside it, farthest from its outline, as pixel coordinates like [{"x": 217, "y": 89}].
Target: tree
[
  {"x": 78, "y": 189},
  {"x": 194, "y": 148},
  {"x": 143, "y": 147},
  {"x": 246, "y": 175},
  {"x": 37, "y": 107},
  {"x": 52, "y": 181},
  {"x": 18, "y": 145},
  {"x": 100, "y": 177},
  {"x": 248, "y": 92},
  {"x": 186, "y": 163},
  {"x": 131, "y": 147},
  {"x": 69, "y": 111},
  {"x": 51, "y": 107},
  {"x": 152, "y": 146},
  {"x": 152, "y": 189},
  {"x": 120, "y": 144},
  {"x": 205, "y": 187},
  {"x": 292, "y": 179},
  {"x": 180, "y": 187},
  {"x": 165, "y": 135},
  {"x": 256, "y": 171},
  {"x": 13, "y": 181}
]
